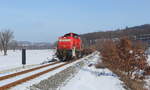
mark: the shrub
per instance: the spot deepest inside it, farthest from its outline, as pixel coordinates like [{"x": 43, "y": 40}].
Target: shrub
[{"x": 125, "y": 56}]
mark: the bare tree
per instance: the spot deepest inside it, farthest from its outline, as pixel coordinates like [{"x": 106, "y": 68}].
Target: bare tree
[{"x": 5, "y": 37}]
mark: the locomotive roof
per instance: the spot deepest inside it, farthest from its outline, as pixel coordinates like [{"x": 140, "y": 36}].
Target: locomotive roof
[{"x": 68, "y": 34}]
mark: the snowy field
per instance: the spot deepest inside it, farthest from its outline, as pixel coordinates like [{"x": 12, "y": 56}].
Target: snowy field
[
  {"x": 90, "y": 78},
  {"x": 14, "y": 59},
  {"x": 148, "y": 59},
  {"x": 26, "y": 85},
  {"x": 147, "y": 80},
  {"x": 87, "y": 78}
]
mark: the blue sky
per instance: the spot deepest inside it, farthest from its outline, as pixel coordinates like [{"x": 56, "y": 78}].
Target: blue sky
[{"x": 45, "y": 20}]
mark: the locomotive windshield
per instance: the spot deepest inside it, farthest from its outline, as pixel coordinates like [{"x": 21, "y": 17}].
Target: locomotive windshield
[
  {"x": 71, "y": 35},
  {"x": 67, "y": 35}
]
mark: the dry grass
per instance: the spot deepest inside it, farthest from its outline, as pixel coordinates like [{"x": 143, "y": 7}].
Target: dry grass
[{"x": 100, "y": 65}]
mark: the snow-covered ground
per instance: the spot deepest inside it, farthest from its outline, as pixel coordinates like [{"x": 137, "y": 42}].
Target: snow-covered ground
[
  {"x": 147, "y": 80},
  {"x": 26, "y": 85},
  {"x": 14, "y": 59},
  {"x": 90, "y": 78},
  {"x": 148, "y": 60},
  {"x": 7, "y": 81}
]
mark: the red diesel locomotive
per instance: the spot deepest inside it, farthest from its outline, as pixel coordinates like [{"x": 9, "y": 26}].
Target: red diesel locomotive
[{"x": 69, "y": 46}]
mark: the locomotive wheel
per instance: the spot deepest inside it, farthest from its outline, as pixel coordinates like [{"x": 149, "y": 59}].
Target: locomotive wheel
[
  {"x": 65, "y": 56},
  {"x": 79, "y": 54},
  {"x": 64, "y": 59}
]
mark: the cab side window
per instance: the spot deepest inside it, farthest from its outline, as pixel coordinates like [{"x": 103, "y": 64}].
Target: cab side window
[{"x": 76, "y": 36}]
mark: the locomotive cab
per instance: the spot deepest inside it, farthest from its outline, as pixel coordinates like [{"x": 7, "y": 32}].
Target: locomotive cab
[{"x": 68, "y": 47}]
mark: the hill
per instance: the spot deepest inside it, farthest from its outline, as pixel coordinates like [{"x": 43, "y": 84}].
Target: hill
[{"x": 90, "y": 38}]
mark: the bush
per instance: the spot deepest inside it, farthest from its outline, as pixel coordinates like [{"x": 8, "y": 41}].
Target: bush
[
  {"x": 125, "y": 56},
  {"x": 87, "y": 51}
]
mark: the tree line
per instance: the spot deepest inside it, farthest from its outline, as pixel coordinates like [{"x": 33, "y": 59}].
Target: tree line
[
  {"x": 132, "y": 32},
  {"x": 7, "y": 42}
]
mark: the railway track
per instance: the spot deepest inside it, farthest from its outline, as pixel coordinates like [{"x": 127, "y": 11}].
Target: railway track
[
  {"x": 55, "y": 65},
  {"x": 25, "y": 71}
]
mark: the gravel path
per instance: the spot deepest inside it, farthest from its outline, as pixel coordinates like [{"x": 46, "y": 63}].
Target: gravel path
[{"x": 58, "y": 79}]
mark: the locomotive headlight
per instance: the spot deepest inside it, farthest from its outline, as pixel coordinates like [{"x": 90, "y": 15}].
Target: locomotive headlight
[{"x": 65, "y": 40}]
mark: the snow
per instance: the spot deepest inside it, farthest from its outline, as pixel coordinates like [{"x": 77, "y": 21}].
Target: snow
[
  {"x": 147, "y": 82},
  {"x": 147, "y": 79},
  {"x": 86, "y": 81},
  {"x": 90, "y": 78},
  {"x": 148, "y": 60},
  {"x": 26, "y": 85},
  {"x": 148, "y": 52},
  {"x": 14, "y": 59},
  {"x": 131, "y": 51}
]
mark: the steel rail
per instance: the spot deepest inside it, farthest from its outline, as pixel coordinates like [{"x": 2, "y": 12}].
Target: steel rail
[{"x": 25, "y": 71}]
